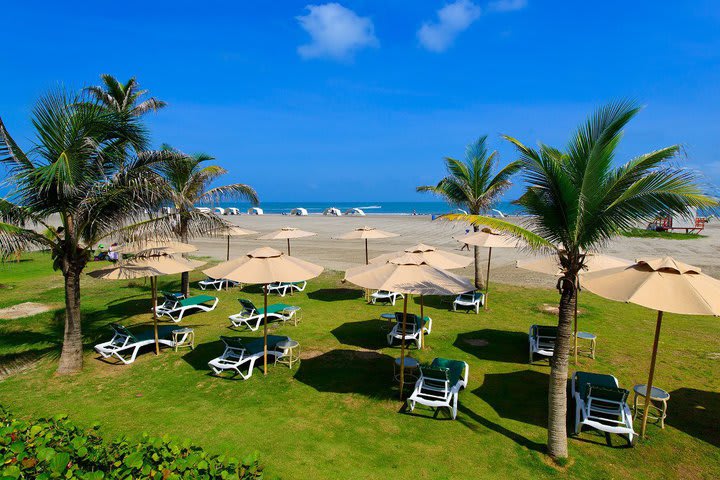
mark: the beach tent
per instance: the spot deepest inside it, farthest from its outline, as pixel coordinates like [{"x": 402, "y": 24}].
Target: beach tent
[
  {"x": 301, "y": 212},
  {"x": 220, "y": 211},
  {"x": 233, "y": 211},
  {"x": 662, "y": 284},
  {"x": 264, "y": 266},
  {"x": 335, "y": 212},
  {"x": 203, "y": 210},
  {"x": 356, "y": 212},
  {"x": 255, "y": 211}
]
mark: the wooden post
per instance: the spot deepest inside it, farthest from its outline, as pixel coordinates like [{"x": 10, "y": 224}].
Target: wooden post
[
  {"x": 487, "y": 279},
  {"x": 648, "y": 388},
  {"x": 227, "y": 257},
  {"x": 367, "y": 262},
  {"x": 288, "y": 240},
  {"x": 422, "y": 319},
  {"x": 265, "y": 290},
  {"x": 402, "y": 346},
  {"x": 577, "y": 297},
  {"x": 153, "y": 286}
]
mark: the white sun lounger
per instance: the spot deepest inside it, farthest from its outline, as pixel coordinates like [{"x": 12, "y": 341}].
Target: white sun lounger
[
  {"x": 175, "y": 306},
  {"x": 439, "y": 384},
  {"x": 542, "y": 341},
  {"x": 414, "y": 329},
  {"x": 469, "y": 301},
  {"x": 385, "y": 296},
  {"x": 237, "y": 355},
  {"x": 125, "y": 345},
  {"x": 282, "y": 288},
  {"x": 216, "y": 283},
  {"x": 251, "y": 317},
  {"x": 601, "y": 404}
]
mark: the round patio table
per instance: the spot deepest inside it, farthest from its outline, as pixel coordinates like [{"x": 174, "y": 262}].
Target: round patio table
[
  {"x": 291, "y": 352},
  {"x": 592, "y": 338},
  {"x": 656, "y": 395},
  {"x": 411, "y": 370},
  {"x": 390, "y": 317}
]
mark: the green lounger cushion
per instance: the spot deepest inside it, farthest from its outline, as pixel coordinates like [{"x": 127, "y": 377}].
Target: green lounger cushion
[
  {"x": 164, "y": 331},
  {"x": 454, "y": 368},
  {"x": 546, "y": 331},
  {"x": 257, "y": 346},
  {"x": 613, "y": 394},
  {"x": 412, "y": 318},
  {"x": 176, "y": 297},
  {"x": 196, "y": 300},
  {"x": 275, "y": 308},
  {"x": 583, "y": 379}
]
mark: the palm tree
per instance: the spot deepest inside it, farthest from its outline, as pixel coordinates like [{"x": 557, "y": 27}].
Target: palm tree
[
  {"x": 472, "y": 185},
  {"x": 577, "y": 201},
  {"x": 124, "y": 97},
  {"x": 186, "y": 179},
  {"x": 68, "y": 193}
]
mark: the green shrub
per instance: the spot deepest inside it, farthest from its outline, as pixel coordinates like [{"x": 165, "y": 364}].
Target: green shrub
[{"x": 55, "y": 448}]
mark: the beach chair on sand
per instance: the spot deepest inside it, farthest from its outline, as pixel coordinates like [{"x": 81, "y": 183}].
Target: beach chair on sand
[
  {"x": 125, "y": 345},
  {"x": 385, "y": 296},
  {"x": 542, "y": 341},
  {"x": 216, "y": 283},
  {"x": 600, "y": 403},
  {"x": 282, "y": 288},
  {"x": 175, "y": 306},
  {"x": 238, "y": 355},
  {"x": 439, "y": 384},
  {"x": 469, "y": 301},
  {"x": 251, "y": 317},
  {"x": 414, "y": 329}
]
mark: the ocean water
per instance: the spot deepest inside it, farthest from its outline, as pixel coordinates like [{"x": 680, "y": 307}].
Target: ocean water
[{"x": 369, "y": 207}]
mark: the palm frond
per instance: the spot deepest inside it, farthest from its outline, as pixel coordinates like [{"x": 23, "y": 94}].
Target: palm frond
[{"x": 531, "y": 239}]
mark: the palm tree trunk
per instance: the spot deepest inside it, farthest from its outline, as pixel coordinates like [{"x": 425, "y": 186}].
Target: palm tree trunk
[
  {"x": 478, "y": 266},
  {"x": 71, "y": 358},
  {"x": 557, "y": 394}
]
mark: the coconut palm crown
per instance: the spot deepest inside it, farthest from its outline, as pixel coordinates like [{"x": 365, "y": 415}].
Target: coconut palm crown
[{"x": 124, "y": 97}]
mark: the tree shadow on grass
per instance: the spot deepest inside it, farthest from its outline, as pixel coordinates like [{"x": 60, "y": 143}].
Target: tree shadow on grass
[
  {"x": 349, "y": 371},
  {"x": 514, "y": 436},
  {"x": 335, "y": 294},
  {"x": 695, "y": 412},
  {"x": 495, "y": 345},
  {"x": 521, "y": 396},
  {"x": 367, "y": 334}
]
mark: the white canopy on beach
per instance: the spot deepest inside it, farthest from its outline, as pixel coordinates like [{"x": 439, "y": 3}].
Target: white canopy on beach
[
  {"x": 355, "y": 212},
  {"x": 301, "y": 212},
  {"x": 255, "y": 211},
  {"x": 332, "y": 211}
]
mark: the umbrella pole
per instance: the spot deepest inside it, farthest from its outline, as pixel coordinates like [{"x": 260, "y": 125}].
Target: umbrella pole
[
  {"x": 227, "y": 257},
  {"x": 648, "y": 388},
  {"x": 487, "y": 278},
  {"x": 367, "y": 262},
  {"x": 153, "y": 284},
  {"x": 265, "y": 290},
  {"x": 402, "y": 346},
  {"x": 422, "y": 317},
  {"x": 288, "y": 240}
]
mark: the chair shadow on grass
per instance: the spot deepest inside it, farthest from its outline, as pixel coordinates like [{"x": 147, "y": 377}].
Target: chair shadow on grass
[
  {"x": 367, "y": 334},
  {"x": 521, "y": 396},
  {"x": 495, "y": 345},
  {"x": 349, "y": 371},
  {"x": 199, "y": 356},
  {"x": 433, "y": 301},
  {"x": 695, "y": 412},
  {"x": 335, "y": 294}
]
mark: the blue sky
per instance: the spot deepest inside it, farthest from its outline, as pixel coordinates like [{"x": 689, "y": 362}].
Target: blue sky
[{"x": 361, "y": 100}]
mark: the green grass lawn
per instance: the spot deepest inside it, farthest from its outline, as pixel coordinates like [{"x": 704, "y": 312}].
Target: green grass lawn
[
  {"x": 337, "y": 415},
  {"x": 644, "y": 233}
]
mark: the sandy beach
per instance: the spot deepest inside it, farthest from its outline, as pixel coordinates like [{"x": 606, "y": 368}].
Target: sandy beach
[{"x": 334, "y": 254}]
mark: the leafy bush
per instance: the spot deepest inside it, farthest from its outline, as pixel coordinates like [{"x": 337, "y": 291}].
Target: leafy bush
[{"x": 55, "y": 448}]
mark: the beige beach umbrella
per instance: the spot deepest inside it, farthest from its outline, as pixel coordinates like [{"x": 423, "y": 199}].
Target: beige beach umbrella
[
  {"x": 662, "y": 284},
  {"x": 235, "y": 232},
  {"x": 488, "y": 239},
  {"x": 287, "y": 233},
  {"x": 366, "y": 233},
  {"x": 550, "y": 265},
  {"x": 155, "y": 247},
  {"x": 264, "y": 266},
  {"x": 432, "y": 256},
  {"x": 152, "y": 267},
  {"x": 409, "y": 274}
]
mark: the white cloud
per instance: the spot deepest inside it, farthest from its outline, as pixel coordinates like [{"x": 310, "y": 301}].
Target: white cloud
[
  {"x": 507, "y": 5},
  {"x": 452, "y": 19},
  {"x": 336, "y": 32}
]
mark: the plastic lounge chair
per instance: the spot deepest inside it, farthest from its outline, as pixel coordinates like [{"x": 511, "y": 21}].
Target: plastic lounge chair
[
  {"x": 216, "y": 283},
  {"x": 237, "y": 355},
  {"x": 469, "y": 301},
  {"x": 125, "y": 345},
  {"x": 282, "y": 288},
  {"x": 385, "y": 296},
  {"x": 542, "y": 341},
  {"x": 414, "y": 329},
  {"x": 251, "y": 317},
  {"x": 600, "y": 403},
  {"x": 175, "y": 306},
  {"x": 439, "y": 384}
]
